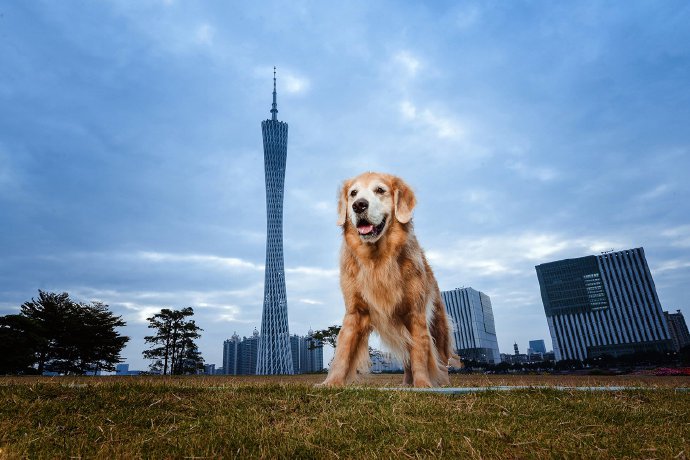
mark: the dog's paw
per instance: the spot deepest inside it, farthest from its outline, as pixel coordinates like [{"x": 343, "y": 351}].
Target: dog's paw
[
  {"x": 422, "y": 383},
  {"x": 329, "y": 384}
]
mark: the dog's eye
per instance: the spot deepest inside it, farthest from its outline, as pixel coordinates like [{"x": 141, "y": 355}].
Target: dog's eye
[
  {"x": 380, "y": 191},
  {"x": 353, "y": 193}
]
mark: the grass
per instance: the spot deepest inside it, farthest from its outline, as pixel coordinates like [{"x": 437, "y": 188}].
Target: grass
[{"x": 278, "y": 417}]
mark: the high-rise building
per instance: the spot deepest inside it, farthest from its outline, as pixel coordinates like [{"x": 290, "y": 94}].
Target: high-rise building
[
  {"x": 239, "y": 356},
  {"x": 537, "y": 346},
  {"x": 305, "y": 357},
  {"x": 678, "y": 329},
  {"x": 474, "y": 332},
  {"x": 230, "y": 348},
  {"x": 313, "y": 361},
  {"x": 275, "y": 356},
  {"x": 602, "y": 305}
]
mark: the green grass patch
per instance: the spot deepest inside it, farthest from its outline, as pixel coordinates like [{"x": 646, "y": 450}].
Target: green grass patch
[{"x": 238, "y": 418}]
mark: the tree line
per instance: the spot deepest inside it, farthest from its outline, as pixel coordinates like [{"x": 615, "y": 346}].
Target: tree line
[{"x": 54, "y": 333}]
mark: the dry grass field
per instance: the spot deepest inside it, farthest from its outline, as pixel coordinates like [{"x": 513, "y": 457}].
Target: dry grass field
[{"x": 286, "y": 417}]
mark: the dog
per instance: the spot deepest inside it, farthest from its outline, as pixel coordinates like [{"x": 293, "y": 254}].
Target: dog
[{"x": 388, "y": 286}]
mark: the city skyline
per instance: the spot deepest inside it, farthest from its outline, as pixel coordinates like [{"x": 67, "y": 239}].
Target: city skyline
[{"x": 131, "y": 166}]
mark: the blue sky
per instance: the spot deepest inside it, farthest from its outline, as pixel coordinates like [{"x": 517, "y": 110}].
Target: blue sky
[{"x": 131, "y": 162}]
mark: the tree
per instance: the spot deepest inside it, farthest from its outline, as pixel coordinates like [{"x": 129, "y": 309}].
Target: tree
[
  {"x": 173, "y": 348},
  {"x": 328, "y": 336},
  {"x": 18, "y": 345},
  {"x": 54, "y": 333}
]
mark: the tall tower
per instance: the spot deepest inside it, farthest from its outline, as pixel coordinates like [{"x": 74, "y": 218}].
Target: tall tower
[{"x": 275, "y": 355}]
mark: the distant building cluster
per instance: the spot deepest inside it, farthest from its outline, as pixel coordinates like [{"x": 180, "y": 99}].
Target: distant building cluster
[
  {"x": 240, "y": 355},
  {"x": 384, "y": 361},
  {"x": 123, "y": 369},
  {"x": 604, "y": 305}
]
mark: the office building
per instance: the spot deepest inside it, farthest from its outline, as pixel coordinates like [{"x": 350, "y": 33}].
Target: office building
[
  {"x": 602, "y": 305},
  {"x": 678, "y": 329},
  {"x": 536, "y": 346},
  {"x": 275, "y": 356},
  {"x": 474, "y": 332}
]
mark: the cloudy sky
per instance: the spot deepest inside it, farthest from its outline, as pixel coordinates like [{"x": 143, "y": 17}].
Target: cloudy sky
[{"x": 131, "y": 161}]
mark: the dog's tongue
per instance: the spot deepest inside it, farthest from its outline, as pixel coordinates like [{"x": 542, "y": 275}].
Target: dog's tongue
[{"x": 364, "y": 229}]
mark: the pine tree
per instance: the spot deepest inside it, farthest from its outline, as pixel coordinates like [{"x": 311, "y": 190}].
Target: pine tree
[
  {"x": 173, "y": 348},
  {"x": 68, "y": 337}
]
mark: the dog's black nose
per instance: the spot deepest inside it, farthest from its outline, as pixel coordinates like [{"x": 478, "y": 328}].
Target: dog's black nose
[{"x": 360, "y": 205}]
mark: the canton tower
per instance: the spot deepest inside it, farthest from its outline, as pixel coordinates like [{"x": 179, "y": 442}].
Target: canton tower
[{"x": 275, "y": 355}]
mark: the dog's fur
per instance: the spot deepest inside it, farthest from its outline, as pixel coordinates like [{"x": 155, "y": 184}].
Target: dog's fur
[{"x": 388, "y": 286}]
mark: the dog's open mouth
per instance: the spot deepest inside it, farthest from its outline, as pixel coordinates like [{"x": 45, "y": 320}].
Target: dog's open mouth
[{"x": 367, "y": 229}]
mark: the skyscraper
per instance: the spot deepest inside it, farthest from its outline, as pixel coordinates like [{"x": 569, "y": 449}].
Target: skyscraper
[
  {"x": 239, "y": 356},
  {"x": 306, "y": 359},
  {"x": 275, "y": 356},
  {"x": 474, "y": 332},
  {"x": 678, "y": 329},
  {"x": 602, "y": 305}
]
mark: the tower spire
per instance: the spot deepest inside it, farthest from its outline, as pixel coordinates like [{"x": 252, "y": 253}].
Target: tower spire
[{"x": 274, "y": 109}]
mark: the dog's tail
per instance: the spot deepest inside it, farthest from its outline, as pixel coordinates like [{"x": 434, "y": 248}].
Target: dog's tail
[{"x": 455, "y": 361}]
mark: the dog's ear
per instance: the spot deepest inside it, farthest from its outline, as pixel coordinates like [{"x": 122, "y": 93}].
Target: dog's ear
[
  {"x": 342, "y": 203},
  {"x": 404, "y": 199}
]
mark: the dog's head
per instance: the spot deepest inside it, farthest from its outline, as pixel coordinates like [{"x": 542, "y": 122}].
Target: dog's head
[{"x": 371, "y": 201}]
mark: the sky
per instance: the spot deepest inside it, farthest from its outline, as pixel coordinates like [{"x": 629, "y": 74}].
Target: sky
[{"x": 131, "y": 158}]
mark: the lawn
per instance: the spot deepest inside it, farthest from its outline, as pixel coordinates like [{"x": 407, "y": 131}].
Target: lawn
[{"x": 286, "y": 417}]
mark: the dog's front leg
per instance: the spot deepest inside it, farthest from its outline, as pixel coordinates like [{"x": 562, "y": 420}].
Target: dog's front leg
[
  {"x": 420, "y": 352},
  {"x": 351, "y": 350}
]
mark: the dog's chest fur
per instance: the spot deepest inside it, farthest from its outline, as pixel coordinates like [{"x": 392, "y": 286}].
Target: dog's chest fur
[{"x": 380, "y": 286}]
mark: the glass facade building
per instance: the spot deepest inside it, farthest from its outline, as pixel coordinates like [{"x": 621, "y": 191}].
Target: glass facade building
[
  {"x": 602, "y": 305},
  {"x": 474, "y": 331},
  {"x": 537, "y": 346},
  {"x": 275, "y": 356},
  {"x": 239, "y": 355}
]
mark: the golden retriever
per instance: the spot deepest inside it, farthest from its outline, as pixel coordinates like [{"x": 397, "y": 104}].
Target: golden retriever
[{"x": 388, "y": 286}]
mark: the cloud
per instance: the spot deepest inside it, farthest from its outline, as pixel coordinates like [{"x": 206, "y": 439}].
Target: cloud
[
  {"x": 310, "y": 301},
  {"x": 409, "y": 63},
  {"x": 204, "y": 33},
  {"x": 679, "y": 236},
  {"x": 540, "y": 173},
  {"x": 670, "y": 265},
  {"x": 512, "y": 254},
  {"x": 443, "y": 127},
  {"x": 314, "y": 271},
  {"x": 467, "y": 16},
  {"x": 203, "y": 259},
  {"x": 655, "y": 192},
  {"x": 294, "y": 84}
]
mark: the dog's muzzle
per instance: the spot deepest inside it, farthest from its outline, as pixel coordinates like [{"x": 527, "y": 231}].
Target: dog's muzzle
[{"x": 368, "y": 230}]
